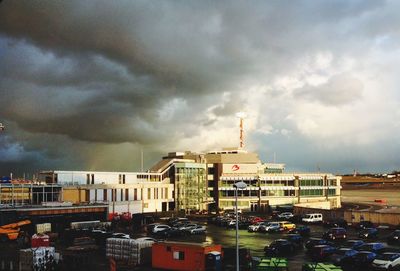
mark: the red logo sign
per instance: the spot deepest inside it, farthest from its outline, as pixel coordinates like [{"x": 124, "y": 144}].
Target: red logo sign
[{"x": 235, "y": 167}]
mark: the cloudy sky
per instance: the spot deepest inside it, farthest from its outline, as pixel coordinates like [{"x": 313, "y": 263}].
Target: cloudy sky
[{"x": 88, "y": 84}]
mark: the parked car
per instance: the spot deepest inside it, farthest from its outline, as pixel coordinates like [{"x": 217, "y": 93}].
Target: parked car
[
  {"x": 321, "y": 252},
  {"x": 368, "y": 233},
  {"x": 279, "y": 247},
  {"x": 256, "y": 220},
  {"x": 188, "y": 227},
  {"x": 315, "y": 242},
  {"x": 296, "y": 239},
  {"x": 271, "y": 227},
  {"x": 255, "y": 227},
  {"x": 120, "y": 235},
  {"x": 362, "y": 260},
  {"x": 312, "y": 218},
  {"x": 285, "y": 215},
  {"x": 160, "y": 228},
  {"x": 342, "y": 256},
  {"x": 364, "y": 224},
  {"x": 387, "y": 261},
  {"x": 171, "y": 232},
  {"x": 286, "y": 225},
  {"x": 296, "y": 218},
  {"x": 335, "y": 234},
  {"x": 335, "y": 223},
  {"x": 394, "y": 238},
  {"x": 198, "y": 230},
  {"x": 174, "y": 220},
  {"x": 229, "y": 260},
  {"x": 353, "y": 244},
  {"x": 149, "y": 239},
  {"x": 373, "y": 247},
  {"x": 302, "y": 230}
]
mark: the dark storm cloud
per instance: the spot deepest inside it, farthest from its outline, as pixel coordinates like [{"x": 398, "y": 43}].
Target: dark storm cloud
[{"x": 94, "y": 76}]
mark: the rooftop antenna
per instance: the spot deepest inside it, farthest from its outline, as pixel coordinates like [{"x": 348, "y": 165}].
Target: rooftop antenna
[{"x": 241, "y": 116}]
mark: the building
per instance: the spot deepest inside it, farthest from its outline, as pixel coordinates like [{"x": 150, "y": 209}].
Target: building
[
  {"x": 267, "y": 183},
  {"x": 199, "y": 181},
  {"x": 122, "y": 191}
]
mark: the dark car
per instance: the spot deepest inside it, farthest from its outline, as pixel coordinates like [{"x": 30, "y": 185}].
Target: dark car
[
  {"x": 363, "y": 259},
  {"x": 312, "y": 242},
  {"x": 353, "y": 244},
  {"x": 279, "y": 247},
  {"x": 170, "y": 232},
  {"x": 372, "y": 247},
  {"x": 335, "y": 223},
  {"x": 229, "y": 259},
  {"x": 368, "y": 233},
  {"x": 364, "y": 224},
  {"x": 296, "y": 239},
  {"x": 302, "y": 230},
  {"x": 296, "y": 218},
  {"x": 342, "y": 256},
  {"x": 321, "y": 252},
  {"x": 394, "y": 238},
  {"x": 335, "y": 234}
]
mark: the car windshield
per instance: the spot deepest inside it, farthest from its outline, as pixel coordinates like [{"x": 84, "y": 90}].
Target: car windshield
[
  {"x": 274, "y": 224},
  {"x": 388, "y": 256}
]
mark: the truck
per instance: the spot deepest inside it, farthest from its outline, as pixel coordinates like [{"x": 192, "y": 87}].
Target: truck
[{"x": 12, "y": 231}]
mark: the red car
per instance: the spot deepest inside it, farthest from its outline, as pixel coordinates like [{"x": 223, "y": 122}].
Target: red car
[{"x": 256, "y": 220}]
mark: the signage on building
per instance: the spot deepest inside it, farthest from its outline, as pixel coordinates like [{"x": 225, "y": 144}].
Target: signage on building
[{"x": 240, "y": 168}]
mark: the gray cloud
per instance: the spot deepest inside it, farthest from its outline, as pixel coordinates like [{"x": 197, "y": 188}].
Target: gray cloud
[
  {"x": 339, "y": 90},
  {"x": 109, "y": 77}
]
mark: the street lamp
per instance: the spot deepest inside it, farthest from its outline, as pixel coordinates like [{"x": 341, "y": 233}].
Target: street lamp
[{"x": 239, "y": 185}]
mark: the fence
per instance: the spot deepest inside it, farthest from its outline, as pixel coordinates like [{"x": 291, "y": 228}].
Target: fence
[{"x": 354, "y": 216}]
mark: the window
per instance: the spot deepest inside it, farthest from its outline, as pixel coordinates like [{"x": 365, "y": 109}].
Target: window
[
  {"x": 166, "y": 193},
  {"x": 123, "y": 179},
  {"x": 155, "y": 193},
  {"x": 179, "y": 255},
  {"x": 92, "y": 178},
  {"x": 148, "y": 193},
  {"x": 135, "y": 194},
  {"x": 87, "y": 178},
  {"x": 119, "y": 179},
  {"x": 126, "y": 194},
  {"x": 105, "y": 194}
]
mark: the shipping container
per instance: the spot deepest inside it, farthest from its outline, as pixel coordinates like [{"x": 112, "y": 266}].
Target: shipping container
[
  {"x": 43, "y": 228},
  {"x": 182, "y": 256},
  {"x": 40, "y": 240}
]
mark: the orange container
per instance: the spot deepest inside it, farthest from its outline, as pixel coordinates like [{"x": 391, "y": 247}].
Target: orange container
[{"x": 181, "y": 256}]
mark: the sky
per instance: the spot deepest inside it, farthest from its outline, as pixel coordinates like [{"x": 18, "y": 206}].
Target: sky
[{"x": 88, "y": 85}]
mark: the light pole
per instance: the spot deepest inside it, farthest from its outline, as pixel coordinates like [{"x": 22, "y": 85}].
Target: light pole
[{"x": 239, "y": 185}]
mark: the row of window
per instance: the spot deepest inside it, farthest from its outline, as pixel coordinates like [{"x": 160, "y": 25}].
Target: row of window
[
  {"x": 275, "y": 193},
  {"x": 124, "y": 194}
]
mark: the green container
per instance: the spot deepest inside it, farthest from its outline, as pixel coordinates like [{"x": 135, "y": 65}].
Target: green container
[
  {"x": 272, "y": 264},
  {"x": 320, "y": 267}
]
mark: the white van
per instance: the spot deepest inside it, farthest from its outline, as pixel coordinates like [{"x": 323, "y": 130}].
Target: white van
[{"x": 312, "y": 218}]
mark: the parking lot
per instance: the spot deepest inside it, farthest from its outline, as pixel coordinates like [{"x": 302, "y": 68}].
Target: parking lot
[{"x": 256, "y": 241}]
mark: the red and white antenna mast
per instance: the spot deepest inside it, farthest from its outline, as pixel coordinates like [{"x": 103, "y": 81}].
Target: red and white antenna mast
[{"x": 241, "y": 116}]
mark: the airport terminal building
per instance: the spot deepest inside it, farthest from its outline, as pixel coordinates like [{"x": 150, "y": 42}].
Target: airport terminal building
[{"x": 199, "y": 181}]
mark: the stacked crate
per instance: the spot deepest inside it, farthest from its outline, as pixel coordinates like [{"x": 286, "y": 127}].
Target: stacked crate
[
  {"x": 129, "y": 251},
  {"x": 39, "y": 258}
]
